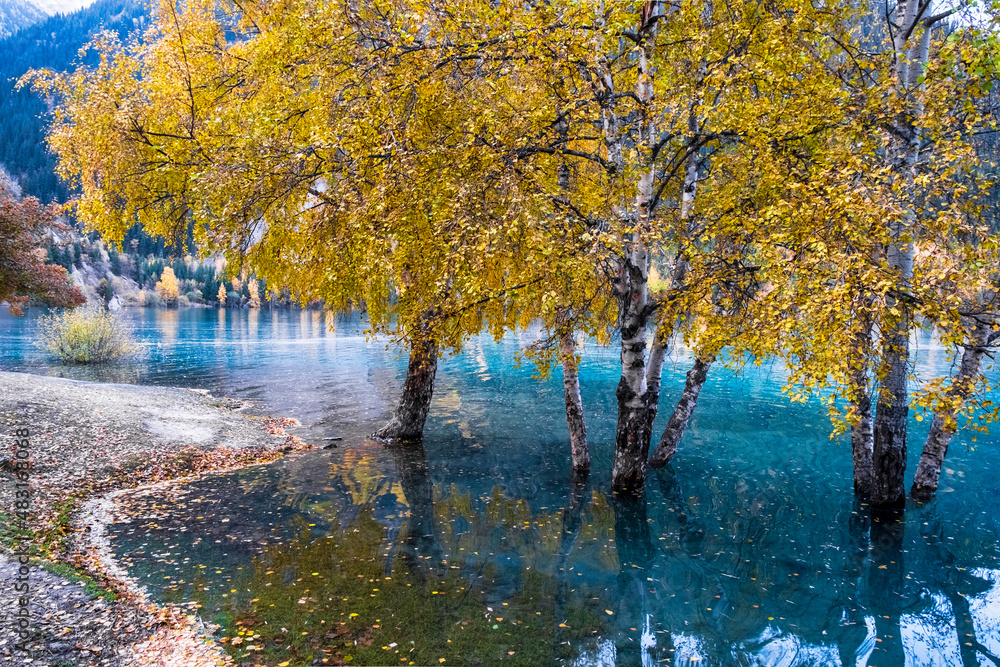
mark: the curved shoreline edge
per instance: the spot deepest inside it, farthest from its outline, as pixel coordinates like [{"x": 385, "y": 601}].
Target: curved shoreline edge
[{"x": 89, "y": 445}]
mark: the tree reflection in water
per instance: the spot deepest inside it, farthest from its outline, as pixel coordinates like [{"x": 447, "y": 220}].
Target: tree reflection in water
[
  {"x": 719, "y": 574},
  {"x": 422, "y": 552}
]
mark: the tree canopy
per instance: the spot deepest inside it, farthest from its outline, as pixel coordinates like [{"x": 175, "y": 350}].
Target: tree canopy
[
  {"x": 795, "y": 178},
  {"x": 24, "y": 273}
]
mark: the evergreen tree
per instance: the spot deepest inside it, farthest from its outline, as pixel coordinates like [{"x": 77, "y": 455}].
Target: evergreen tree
[{"x": 52, "y": 43}]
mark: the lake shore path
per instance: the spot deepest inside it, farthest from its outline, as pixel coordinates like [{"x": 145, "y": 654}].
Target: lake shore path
[{"x": 86, "y": 444}]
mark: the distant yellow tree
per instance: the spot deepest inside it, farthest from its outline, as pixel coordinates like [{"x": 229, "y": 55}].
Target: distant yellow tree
[
  {"x": 254, "y": 293},
  {"x": 167, "y": 287},
  {"x": 223, "y": 296}
]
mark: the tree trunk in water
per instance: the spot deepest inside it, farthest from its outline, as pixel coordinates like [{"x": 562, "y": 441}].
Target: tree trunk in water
[
  {"x": 672, "y": 434},
  {"x": 902, "y": 154},
  {"x": 628, "y": 472},
  {"x": 574, "y": 404},
  {"x": 891, "y": 412},
  {"x": 638, "y": 389},
  {"x": 925, "y": 482},
  {"x": 636, "y": 413},
  {"x": 682, "y": 413},
  {"x": 408, "y": 419},
  {"x": 893, "y": 405},
  {"x": 862, "y": 433},
  {"x": 862, "y": 443},
  {"x": 911, "y": 46}
]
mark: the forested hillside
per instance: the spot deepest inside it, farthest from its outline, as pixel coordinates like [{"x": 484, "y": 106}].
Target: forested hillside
[
  {"x": 17, "y": 14},
  {"x": 53, "y": 43}
]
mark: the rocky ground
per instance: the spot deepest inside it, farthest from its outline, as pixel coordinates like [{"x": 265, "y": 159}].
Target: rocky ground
[{"x": 86, "y": 442}]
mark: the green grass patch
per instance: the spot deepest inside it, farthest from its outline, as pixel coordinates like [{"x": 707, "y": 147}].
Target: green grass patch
[{"x": 90, "y": 586}]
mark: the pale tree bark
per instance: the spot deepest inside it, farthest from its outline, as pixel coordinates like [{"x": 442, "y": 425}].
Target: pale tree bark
[
  {"x": 695, "y": 380},
  {"x": 679, "y": 420},
  {"x": 690, "y": 187},
  {"x": 567, "y": 347},
  {"x": 892, "y": 408},
  {"x": 407, "y": 422},
  {"x": 862, "y": 432},
  {"x": 943, "y": 426},
  {"x": 862, "y": 441},
  {"x": 574, "y": 403},
  {"x": 636, "y": 403},
  {"x": 902, "y": 152}
]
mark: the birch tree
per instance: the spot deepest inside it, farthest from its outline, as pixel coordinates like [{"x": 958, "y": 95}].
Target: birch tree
[
  {"x": 912, "y": 244},
  {"x": 337, "y": 150}
]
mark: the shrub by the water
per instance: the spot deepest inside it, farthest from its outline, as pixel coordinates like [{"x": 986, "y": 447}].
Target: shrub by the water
[
  {"x": 87, "y": 336},
  {"x": 150, "y": 299}
]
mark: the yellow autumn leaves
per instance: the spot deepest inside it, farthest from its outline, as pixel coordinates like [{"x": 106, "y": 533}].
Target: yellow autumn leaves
[{"x": 468, "y": 170}]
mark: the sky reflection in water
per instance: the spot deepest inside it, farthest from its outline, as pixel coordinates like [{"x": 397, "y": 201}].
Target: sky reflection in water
[{"x": 749, "y": 550}]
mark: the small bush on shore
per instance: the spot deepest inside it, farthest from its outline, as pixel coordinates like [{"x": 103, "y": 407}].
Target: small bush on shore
[
  {"x": 87, "y": 336},
  {"x": 150, "y": 299}
]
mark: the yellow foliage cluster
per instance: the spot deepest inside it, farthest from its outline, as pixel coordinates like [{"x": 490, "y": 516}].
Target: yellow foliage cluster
[
  {"x": 254, "y": 293},
  {"x": 167, "y": 287},
  {"x": 475, "y": 169}
]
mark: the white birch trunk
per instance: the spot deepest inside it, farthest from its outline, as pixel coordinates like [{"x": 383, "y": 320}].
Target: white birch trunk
[
  {"x": 574, "y": 403},
  {"x": 580, "y": 452},
  {"x": 892, "y": 409},
  {"x": 695, "y": 380},
  {"x": 679, "y": 420},
  {"x": 862, "y": 436},
  {"x": 636, "y": 404},
  {"x": 862, "y": 432}
]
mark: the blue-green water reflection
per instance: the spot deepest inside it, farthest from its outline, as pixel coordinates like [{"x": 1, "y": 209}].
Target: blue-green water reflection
[{"x": 749, "y": 550}]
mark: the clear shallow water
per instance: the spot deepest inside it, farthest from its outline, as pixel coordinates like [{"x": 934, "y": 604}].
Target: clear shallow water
[{"x": 749, "y": 550}]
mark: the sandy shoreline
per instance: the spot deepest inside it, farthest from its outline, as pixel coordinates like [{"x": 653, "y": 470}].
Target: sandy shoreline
[{"x": 88, "y": 443}]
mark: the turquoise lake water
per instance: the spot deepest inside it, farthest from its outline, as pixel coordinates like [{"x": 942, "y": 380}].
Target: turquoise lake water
[{"x": 478, "y": 548}]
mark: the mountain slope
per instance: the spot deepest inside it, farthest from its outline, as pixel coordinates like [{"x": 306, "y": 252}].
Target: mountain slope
[
  {"x": 17, "y": 14},
  {"x": 53, "y": 43},
  {"x": 51, "y": 7}
]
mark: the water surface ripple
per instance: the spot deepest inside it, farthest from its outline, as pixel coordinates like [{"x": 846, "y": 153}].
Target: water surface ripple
[{"x": 479, "y": 548}]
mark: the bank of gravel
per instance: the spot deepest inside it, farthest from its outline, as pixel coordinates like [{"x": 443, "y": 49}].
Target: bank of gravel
[{"x": 87, "y": 442}]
